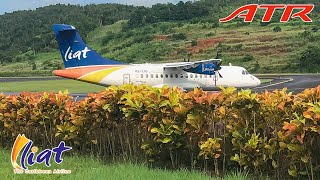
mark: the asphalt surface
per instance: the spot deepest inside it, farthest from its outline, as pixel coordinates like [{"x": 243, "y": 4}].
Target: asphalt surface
[
  {"x": 23, "y": 79},
  {"x": 294, "y": 83}
]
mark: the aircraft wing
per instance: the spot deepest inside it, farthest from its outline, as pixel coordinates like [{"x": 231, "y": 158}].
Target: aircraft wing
[{"x": 188, "y": 65}]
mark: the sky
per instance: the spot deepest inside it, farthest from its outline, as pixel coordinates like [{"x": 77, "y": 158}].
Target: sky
[{"x": 14, "y": 5}]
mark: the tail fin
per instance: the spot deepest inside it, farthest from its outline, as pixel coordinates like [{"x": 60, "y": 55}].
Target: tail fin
[{"x": 74, "y": 52}]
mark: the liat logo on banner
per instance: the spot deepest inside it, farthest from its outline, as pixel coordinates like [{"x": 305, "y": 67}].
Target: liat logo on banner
[
  {"x": 248, "y": 12},
  {"x": 30, "y": 156}
]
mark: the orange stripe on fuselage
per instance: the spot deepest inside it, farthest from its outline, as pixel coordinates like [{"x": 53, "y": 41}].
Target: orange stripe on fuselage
[{"x": 76, "y": 73}]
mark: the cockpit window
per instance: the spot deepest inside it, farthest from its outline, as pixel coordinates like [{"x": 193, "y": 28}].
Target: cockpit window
[{"x": 245, "y": 72}]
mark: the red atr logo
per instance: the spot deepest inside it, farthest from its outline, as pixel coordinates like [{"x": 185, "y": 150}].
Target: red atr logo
[{"x": 248, "y": 12}]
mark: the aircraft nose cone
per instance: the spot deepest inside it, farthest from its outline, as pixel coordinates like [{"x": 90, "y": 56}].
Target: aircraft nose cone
[{"x": 257, "y": 81}]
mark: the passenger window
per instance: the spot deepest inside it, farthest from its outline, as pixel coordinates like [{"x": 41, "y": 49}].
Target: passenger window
[
  {"x": 196, "y": 75},
  {"x": 157, "y": 76},
  {"x": 137, "y": 76},
  {"x": 147, "y": 76},
  {"x": 167, "y": 76},
  {"x": 181, "y": 76},
  {"x": 151, "y": 75},
  {"x": 210, "y": 76},
  {"x": 191, "y": 75},
  {"x": 186, "y": 75},
  {"x": 141, "y": 75},
  {"x": 161, "y": 75},
  {"x": 177, "y": 76},
  {"x": 200, "y": 75},
  {"x": 171, "y": 75},
  {"x": 205, "y": 76}
]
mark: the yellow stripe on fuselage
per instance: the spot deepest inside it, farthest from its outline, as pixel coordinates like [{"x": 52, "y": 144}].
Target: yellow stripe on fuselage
[{"x": 98, "y": 76}]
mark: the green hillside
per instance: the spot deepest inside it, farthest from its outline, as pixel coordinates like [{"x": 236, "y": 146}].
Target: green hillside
[{"x": 163, "y": 33}]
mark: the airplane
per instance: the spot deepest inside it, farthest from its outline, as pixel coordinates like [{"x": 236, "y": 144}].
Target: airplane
[{"x": 84, "y": 64}]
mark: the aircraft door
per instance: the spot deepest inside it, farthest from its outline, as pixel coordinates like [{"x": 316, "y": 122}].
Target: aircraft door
[{"x": 126, "y": 79}]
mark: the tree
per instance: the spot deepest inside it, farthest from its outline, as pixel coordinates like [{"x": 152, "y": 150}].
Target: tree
[
  {"x": 247, "y": 58},
  {"x": 179, "y": 36},
  {"x": 194, "y": 43},
  {"x": 23, "y": 29},
  {"x": 277, "y": 29},
  {"x": 310, "y": 59},
  {"x": 34, "y": 66}
]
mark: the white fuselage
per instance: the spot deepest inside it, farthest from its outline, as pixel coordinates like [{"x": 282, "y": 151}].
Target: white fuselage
[{"x": 157, "y": 75}]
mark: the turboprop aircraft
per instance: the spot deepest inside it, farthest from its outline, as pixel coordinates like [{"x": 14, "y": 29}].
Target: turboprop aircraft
[{"x": 84, "y": 64}]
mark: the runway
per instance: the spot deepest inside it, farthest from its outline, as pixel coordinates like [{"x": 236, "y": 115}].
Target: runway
[
  {"x": 294, "y": 83},
  {"x": 24, "y": 79}
]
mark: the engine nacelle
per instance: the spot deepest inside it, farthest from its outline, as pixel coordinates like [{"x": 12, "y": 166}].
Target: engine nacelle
[{"x": 207, "y": 69}]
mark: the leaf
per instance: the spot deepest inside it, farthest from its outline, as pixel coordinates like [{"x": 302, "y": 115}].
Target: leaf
[
  {"x": 267, "y": 146},
  {"x": 253, "y": 142},
  {"x": 173, "y": 98},
  {"x": 167, "y": 140},
  {"x": 315, "y": 129},
  {"x": 181, "y": 109},
  {"x": 228, "y": 90},
  {"x": 236, "y": 158},
  {"x": 216, "y": 156},
  {"x": 274, "y": 164},
  {"x": 94, "y": 141},
  {"x": 281, "y": 105},
  {"x": 144, "y": 146},
  {"x": 236, "y": 134},
  {"x": 107, "y": 107},
  {"x": 73, "y": 129},
  {"x": 305, "y": 159},
  {"x": 176, "y": 127},
  {"x": 294, "y": 147},
  {"x": 204, "y": 145},
  {"x": 293, "y": 171},
  {"x": 60, "y": 128},
  {"x": 307, "y": 114},
  {"x": 194, "y": 120},
  {"x": 289, "y": 126},
  {"x": 57, "y": 134},
  {"x": 222, "y": 110},
  {"x": 155, "y": 130},
  {"x": 282, "y": 145},
  {"x": 166, "y": 121},
  {"x": 304, "y": 173},
  {"x": 300, "y": 138}
]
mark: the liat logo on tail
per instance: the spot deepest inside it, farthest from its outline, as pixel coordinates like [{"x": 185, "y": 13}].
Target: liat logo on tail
[
  {"x": 74, "y": 51},
  {"x": 69, "y": 55}
]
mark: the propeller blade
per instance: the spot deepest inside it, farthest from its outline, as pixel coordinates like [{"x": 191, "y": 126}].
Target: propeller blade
[
  {"x": 220, "y": 74},
  {"x": 219, "y": 66},
  {"x": 215, "y": 79}
]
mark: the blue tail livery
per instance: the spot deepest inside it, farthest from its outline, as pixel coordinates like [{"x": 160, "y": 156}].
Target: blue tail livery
[{"x": 74, "y": 51}]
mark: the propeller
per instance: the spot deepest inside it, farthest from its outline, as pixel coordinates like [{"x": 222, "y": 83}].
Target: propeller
[
  {"x": 217, "y": 72},
  {"x": 219, "y": 68}
]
